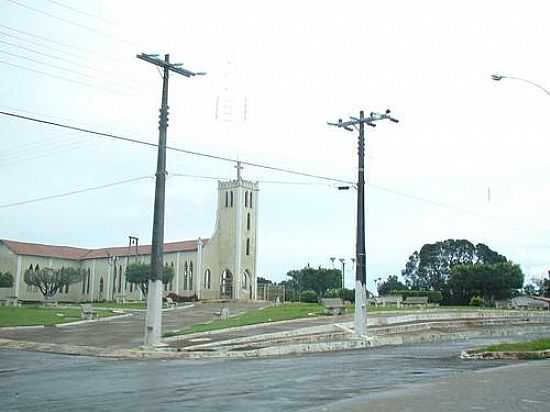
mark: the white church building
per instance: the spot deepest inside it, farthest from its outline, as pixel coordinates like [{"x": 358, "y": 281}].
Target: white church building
[{"x": 221, "y": 267}]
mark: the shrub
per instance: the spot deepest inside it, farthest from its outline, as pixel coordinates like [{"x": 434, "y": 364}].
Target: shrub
[
  {"x": 308, "y": 296},
  {"x": 349, "y": 295},
  {"x": 6, "y": 280},
  {"x": 476, "y": 301},
  {"x": 332, "y": 293}
]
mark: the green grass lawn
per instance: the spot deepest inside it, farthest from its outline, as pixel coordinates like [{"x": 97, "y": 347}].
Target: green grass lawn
[
  {"x": 270, "y": 314},
  {"x": 539, "y": 344},
  {"x": 30, "y": 315},
  {"x": 131, "y": 305}
]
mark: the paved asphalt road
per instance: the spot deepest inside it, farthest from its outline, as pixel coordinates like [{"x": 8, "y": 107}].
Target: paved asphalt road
[{"x": 363, "y": 380}]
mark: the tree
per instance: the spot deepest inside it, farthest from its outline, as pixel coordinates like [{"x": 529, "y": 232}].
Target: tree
[
  {"x": 318, "y": 280},
  {"x": 262, "y": 280},
  {"x": 6, "y": 280},
  {"x": 488, "y": 281},
  {"x": 391, "y": 283},
  {"x": 430, "y": 268},
  {"x": 49, "y": 281},
  {"x": 140, "y": 274}
]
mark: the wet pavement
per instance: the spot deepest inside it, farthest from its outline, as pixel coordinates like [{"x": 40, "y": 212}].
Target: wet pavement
[
  {"x": 126, "y": 332},
  {"x": 43, "y": 382}
]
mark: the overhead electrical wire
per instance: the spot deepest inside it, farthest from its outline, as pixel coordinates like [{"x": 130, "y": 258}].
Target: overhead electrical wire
[
  {"x": 75, "y": 10},
  {"x": 74, "y": 192}
]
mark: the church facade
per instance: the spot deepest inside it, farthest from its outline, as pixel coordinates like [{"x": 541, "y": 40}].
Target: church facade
[{"x": 221, "y": 267}]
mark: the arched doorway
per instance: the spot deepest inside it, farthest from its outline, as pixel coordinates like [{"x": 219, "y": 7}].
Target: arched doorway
[
  {"x": 226, "y": 285},
  {"x": 247, "y": 283}
]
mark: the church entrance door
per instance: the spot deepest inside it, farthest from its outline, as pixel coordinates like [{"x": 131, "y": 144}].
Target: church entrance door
[{"x": 226, "y": 285}]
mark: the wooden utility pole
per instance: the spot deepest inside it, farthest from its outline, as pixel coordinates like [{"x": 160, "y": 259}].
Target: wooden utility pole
[
  {"x": 153, "y": 319},
  {"x": 360, "y": 257}
]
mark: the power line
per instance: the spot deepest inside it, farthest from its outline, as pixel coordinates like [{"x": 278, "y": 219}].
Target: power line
[
  {"x": 67, "y": 21},
  {"x": 75, "y": 10},
  {"x": 190, "y": 152},
  {"x": 74, "y": 192}
]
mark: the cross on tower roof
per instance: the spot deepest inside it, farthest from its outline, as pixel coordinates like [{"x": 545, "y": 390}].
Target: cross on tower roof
[{"x": 239, "y": 168}]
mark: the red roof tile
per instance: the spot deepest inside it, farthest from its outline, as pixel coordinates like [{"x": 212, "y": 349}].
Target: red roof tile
[{"x": 75, "y": 253}]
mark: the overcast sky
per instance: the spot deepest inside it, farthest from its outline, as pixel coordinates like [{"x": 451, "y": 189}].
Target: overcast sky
[{"x": 294, "y": 65}]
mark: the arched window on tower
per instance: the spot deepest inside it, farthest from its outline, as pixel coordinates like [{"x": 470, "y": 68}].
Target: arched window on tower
[
  {"x": 250, "y": 200},
  {"x": 248, "y": 221},
  {"x": 246, "y": 199},
  {"x": 226, "y": 199},
  {"x": 231, "y": 196},
  {"x": 248, "y": 247}
]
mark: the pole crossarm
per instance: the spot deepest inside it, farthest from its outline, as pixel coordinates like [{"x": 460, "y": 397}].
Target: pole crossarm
[
  {"x": 175, "y": 67},
  {"x": 370, "y": 120}
]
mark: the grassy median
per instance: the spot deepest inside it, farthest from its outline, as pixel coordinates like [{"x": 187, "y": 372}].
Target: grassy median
[
  {"x": 287, "y": 311},
  {"x": 32, "y": 315},
  {"x": 533, "y": 345}
]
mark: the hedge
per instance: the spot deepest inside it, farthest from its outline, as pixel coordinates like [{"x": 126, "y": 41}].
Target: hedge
[{"x": 434, "y": 296}]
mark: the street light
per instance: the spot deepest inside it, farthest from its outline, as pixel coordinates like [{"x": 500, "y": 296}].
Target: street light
[
  {"x": 499, "y": 77},
  {"x": 343, "y": 262}
]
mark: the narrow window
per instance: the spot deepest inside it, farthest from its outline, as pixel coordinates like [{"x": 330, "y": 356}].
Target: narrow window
[
  {"x": 88, "y": 283},
  {"x": 185, "y": 276},
  {"x": 83, "y": 283},
  {"x": 245, "y": 199},
  {"x": 190, "y": 275},
  {"x": 247, "y": 247},
  {"x": 250, "y": 200},
  {"x": 120, "y": 279},
  {"x": 37, "y": 267},
  {"x": 172, "y": 280},
  {"x": 231, "y": 198},
  {"x": 114, "y": 280},
  {"x": 248, "y": 221},
  {"x": 226, "y": 199}
]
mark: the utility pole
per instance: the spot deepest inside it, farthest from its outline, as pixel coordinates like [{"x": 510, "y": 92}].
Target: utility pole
[
  {"x": 153, "y": 319},
  {"x": 360, "y": 267}
]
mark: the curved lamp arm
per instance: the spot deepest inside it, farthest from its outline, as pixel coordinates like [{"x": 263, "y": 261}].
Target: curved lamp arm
[{"x": 498, "y": 77}]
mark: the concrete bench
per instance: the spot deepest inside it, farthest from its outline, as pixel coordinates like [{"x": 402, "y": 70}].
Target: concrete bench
[
  {"x": 416, "y": 300},
  {"x": 334, "y": 306},
  {"x": 222, "y": 314},
  {"x": 87, "y": 312},
  {"x": 389, "y": 299}
]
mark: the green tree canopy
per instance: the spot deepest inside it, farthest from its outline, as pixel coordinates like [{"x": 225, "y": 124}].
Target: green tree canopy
[
  {"x": 140, "y": 274},
  {"x": 6, "y": 280},
  {"x": 391, "y": 283},
  {"x": 489, "y": 281},
  {"x": 430, "y": 267},
  {"x": 50, "y": 281},
  {"x": 318, "y": 280}
]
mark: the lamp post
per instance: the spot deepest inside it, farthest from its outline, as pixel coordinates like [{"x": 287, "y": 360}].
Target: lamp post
[
  {"x": 499, "y": 77},
  {"x": 358, "y": 124},
  {"x": 343, "y": 262}
]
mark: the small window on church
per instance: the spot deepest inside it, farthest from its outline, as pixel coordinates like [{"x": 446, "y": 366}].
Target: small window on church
[
  {"x": 226, "y": 199},
  {"x": 248, "y": 221},
  {"x": 250, "y": 200},
  {"x": 231, "y": 198},
  {"x": 245, "y": 199},
  {"x": 247, "y": 247}
]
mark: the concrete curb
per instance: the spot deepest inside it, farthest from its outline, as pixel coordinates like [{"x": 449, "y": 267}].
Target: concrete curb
[
  {"x": 105, "y": 319},
  {"x": 525, "y": 355}
]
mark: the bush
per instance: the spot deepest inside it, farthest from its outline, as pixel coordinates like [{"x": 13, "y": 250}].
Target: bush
[
  {"x": 6, "y": 280},
  {"x": 309, "y": 296},
  {"x": 349, "y": 295},
  {"x": 434, "y": 296},
  {"x": 476, "y": 301},
  {"x": 332, "y": 293}
]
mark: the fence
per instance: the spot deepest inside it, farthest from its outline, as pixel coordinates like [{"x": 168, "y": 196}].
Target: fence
[{"x": 270, "y": 293}]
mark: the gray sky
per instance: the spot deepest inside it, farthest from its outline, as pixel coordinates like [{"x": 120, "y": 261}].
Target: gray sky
[{"x": 297, "y": 64}]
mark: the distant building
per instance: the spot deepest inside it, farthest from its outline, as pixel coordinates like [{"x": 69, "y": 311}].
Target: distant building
[{"x": 222, "y": 267}]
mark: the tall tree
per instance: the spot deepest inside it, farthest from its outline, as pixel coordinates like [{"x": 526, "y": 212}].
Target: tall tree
[
  {"x": 490, "y": 281},
  {"x": 50, "y": 281},
  {"x": 430, "y": 268},
  {"x": 140, "y": 274},
  {"x": 318, "y": 280},
  {"x": 391, "y": 283}
]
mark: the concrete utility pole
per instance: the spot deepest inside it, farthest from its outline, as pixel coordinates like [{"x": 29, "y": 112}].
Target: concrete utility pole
[
  {"x": 360, "y": 269},
  {"x": 153, "y": 319}
]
